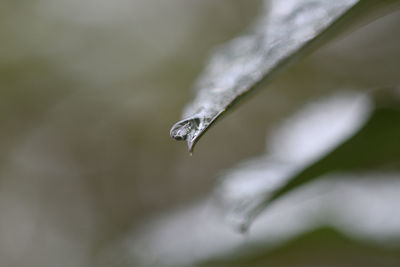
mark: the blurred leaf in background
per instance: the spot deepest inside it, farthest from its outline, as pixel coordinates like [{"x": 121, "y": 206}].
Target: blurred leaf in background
[{"x": 360, "y": 205}]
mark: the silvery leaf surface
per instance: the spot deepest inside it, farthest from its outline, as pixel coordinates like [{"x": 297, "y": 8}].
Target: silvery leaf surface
[{"x": 282, "y": 33}]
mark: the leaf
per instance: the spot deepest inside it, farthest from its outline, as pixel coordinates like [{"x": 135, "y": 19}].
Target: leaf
[
  {"x": 375, "y": 145},
  {"x": 366, "y": 144},
  {"x": 302, "y": 251},
  {"x": 283, "y": 33}
]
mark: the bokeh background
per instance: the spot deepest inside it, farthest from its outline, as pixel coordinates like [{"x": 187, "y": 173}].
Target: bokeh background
[{"x": 88, "y": 92}]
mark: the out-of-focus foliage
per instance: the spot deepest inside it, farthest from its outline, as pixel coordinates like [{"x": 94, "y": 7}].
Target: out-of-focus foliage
[
  {"x": 375, "y": 145},
  {"x": 361, "y": 204},
  {"x": 338, "y": 250}
]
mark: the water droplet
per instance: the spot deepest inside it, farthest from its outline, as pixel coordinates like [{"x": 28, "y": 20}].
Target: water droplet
[
  {"x": 186, "y": 129},
  {"x": 181, "y": 130}
]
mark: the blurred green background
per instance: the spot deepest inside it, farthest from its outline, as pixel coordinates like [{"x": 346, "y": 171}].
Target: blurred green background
[{"x": 88, "y": 92}]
